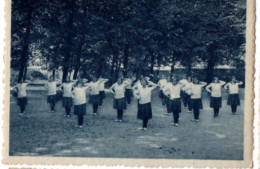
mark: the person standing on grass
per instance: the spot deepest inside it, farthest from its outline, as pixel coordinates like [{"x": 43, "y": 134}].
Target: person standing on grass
[
  {"x": 51, "y": 88},
  {"x": 143, "y": 94},
  {"x": 173, "y": 92},
  {"x": 128, "y": 89},
  {"x": 233, "y": 97},
  {"x": 118, "y": 89},
  {"x": 101, "y": 90},
  {"x": 196, "y": 103},
  {"x": 187, "y": 90},
  {"x": 21, "y": 95},
  {"x": 184, "y": 95},
  {"x": 161, "y": 83},
  {"x": 214, "y": 89},
  {"x": 164, "y": 89},
  {"x": 67, "y": 102},
  {"x": 94, "y": 93},
  {"x": 79, "y": 97}
]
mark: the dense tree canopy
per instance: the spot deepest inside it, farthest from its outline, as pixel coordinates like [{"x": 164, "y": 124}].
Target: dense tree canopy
[{"x": 103, "y": 37}]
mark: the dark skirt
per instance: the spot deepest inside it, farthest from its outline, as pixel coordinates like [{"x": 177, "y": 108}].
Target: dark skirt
[
  {"x": 94, "y": 99},
  {"x": 215, "y": 102},
  {"x": 128, "y": 93},
  {"x": 175, "y": 105},
  {"x": 51, "y": 99},
  {"x": 102, "y": 94},
  {"x": 119, "y": 104},
  {"x": 67, "y": 101},
  {"x": 144, "y": 111},
  {"x": 80, "y": 109},
  {"x": 233, "y": 100},
  {"x": 161, "y": 94},
  {"x": 22, "y": 101},
  {"x": 196, "y": 103}
]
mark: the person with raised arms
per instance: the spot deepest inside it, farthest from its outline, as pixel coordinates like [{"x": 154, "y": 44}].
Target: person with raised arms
[
  {"x": 51, "y": 87},
  {"x": 20, "y": 89},
  {"x": 143, "y": 94},
  {"x": 233, "y": 97},
  {"x": 196, "y": 102},
  {"x": 118, "y": 89},
  {"x": 214, "y": 89},
  {"x": 102, "y": 90},
  {"x": 161, "y": 83}
]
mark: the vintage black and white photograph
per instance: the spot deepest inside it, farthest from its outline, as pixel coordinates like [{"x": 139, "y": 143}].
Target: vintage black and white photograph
[{"x": 129, "y": 79}]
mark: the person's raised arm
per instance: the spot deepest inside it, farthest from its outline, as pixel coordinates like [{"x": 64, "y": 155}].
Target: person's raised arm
[
  {"x": 222, "y": 82},
  {"x": 226, "y": 86},
  {"x": 202, "y": 84},
  {"x": 240, "y": 82},
  {"x": 136, "y": 94},
  {"x": 208, "y": 88},
  {"x": 111, "y": 89},
  {"x": 153, "y": 85}
]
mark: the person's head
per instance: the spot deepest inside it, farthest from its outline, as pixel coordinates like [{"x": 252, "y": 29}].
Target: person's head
[
  {"x": 120, "y": 80},
  {"x": 184, "y": 76},
  {"x": 174, "y": 80},
  {"x": 189, "y": 79},
  {"x": 50, "y": 79},
  {"x": 169, "y": 78},
  {"x": 233, "y": 79},
  {"x": 79, "y": 83},
  {"x": 67, "y": 79},
  {"x": 144, "y": 83},
  {"x": 94, "y": 78},
  {"x": 163, "y": 76},
  {"x": 141, "y": 76},
  {"x": 215, "y": 79},
  {"x": 196, "y": 80},
  {"x": 21, "y": 81}
]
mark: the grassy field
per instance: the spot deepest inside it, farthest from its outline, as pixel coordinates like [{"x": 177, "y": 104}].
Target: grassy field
[{"x": 40, "y": 133}]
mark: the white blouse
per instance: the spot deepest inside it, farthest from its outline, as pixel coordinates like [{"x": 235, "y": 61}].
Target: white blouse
[
  {"x": 174, "y": 91},
  {"x": 51, "y": 88},
  {"x": 196, "y": 90},
  {"x": 67, "y": 89},
  {"x": 21, "y": 90},
  {"x": 145, "y": 95},
  {"x": 102, "y": 85},
  {"x": 215, "y": 88},
  {"x": 94, "y": 87},
  {"x": 233, "y": 87},
  {"x": 119, "y": 90},
  {"x": 79, "y": 95},
  {"x": 161, "y": 83}
]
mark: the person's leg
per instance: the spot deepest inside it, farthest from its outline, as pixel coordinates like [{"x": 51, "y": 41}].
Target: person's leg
[
  {"x": 185, "y": 100},
  {"x": 233, "y": 109},
  {"x": 189, "y": 103},
  {"x": 145, "y": 122},
  {"x": 80, "y": 120},
  {"x": 118, "y": 116},
  {"x": 217, "y": 111},
  {"x": 196, "y": 113},
  {"x": 67, "y": 110},
  {"x": 95, "y": 108},
  {"x": 22, "y": 108}
]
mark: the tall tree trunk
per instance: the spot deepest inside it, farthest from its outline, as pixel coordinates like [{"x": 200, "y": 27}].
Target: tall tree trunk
[
  {"x": 152, "y": 63},
  {"x": 125, "y": 62},
  {"x": 210, "y": 66},
  {"x": 53, "y": 74},
  {"x": 24, "y": 57},
  {"x": 172, "y": 68}
]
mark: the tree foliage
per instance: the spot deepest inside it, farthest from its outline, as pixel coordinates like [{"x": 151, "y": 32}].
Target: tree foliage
[{"x": 106, "y": 36}]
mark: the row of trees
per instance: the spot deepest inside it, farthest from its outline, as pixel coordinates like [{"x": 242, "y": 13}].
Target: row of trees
[{"x": 105, "y": 36}]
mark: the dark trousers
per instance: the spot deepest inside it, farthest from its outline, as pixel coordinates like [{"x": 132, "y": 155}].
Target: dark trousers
[
  {"x": 145, "y": 122},
  {"x": 128, "y": 99},
  {"x": 101, "y": 98},
  {"x": 95, "y": 108},
  {"x": 196, "y": 112},
  {"x": 216, "y": 111},
  {"x": 52, "y": 105},
  {"x": 189, "y": 103},
  {"x": 22, "y": 108},
  {"x": 164, "y": 100},
  {"x": 80, "y": 119},
  {"x": 234, "y": 109},
  {"x": 176, "y": 117},
  {"x": 185, "y": 99},
  {"x": 67, "y": 108},
  {"x": 119, "y": 114}
]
